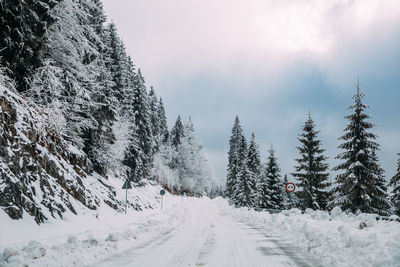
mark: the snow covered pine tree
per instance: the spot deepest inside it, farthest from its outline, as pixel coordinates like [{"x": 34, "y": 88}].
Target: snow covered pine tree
[
  {"x": 154, "y": 118},
  {"x": 359, "y": 187},
  {"x": 177, "y": 132},
  {"x": 254, "y": 166},
  {"x": 269, "y": 186},
  {"x": 274, "y": 183},
  {"x": 243, "y": 193},
  {"x": 139, "y": 155},
  {"x": 311, "y": 170},
  {"x": 164, "y": 134},
  {"x": 233, "y": 163}
]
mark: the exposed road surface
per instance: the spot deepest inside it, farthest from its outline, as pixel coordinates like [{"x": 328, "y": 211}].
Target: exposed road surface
[{"x": 208, "y": 237}]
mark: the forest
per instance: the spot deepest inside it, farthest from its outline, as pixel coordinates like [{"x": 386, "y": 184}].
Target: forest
[
  {"x": 359, "y": 187},
  {"x": 88, "y": 115}
]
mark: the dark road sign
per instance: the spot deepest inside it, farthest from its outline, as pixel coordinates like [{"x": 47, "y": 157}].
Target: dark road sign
[
  {"x": 162, "y": 192},
  {"x": 127, "y": 185}
]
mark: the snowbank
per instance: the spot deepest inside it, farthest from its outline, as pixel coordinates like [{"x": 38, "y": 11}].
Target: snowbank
[
  {"x": 83, "y": 239},
  {"x": 331, "y": 239}
]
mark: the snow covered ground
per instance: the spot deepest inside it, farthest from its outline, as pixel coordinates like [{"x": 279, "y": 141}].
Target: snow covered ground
[
  {"x": 201, "y": 232},
  {"x": 330, "y": 239}
]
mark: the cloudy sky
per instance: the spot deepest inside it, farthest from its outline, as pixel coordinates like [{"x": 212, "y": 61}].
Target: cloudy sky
[{"x": 268, "y": 61}]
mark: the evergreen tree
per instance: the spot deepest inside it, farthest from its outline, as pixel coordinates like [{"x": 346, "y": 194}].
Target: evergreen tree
[
  {"x": 177, "y": 133},
  {"x": 106, "y": 103},
  {"x": 141, "y": 138},
  {"x": 154, "y": 118},
  {"x": 274, "y": 183},
  {"x": 233, "y": 162},
  {"x": 134, "y": 156},
  {"x": 312, "y": 169},
  {"x": 263, "y": 191},
  {"x": 105, "y": 113},
  {"x": 395, "y": 183},
  {"x": 118, "y": 63},
  {"x": 162, "y": 118},
  {"x": 359, "y": 187},
  {"x": 254, "y": 167},
  {"x": 23, "y": 27},
  {"x": 243, "y": 190}
]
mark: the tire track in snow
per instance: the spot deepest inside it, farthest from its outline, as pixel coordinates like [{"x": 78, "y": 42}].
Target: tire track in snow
[
  {"x": 285, "y": 248},
  {"x": 207, "y": 248},
  {"x": 123, "y": 256}
]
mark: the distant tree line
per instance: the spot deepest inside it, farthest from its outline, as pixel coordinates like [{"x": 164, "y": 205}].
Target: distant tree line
[{"x": 360, "y": 185}]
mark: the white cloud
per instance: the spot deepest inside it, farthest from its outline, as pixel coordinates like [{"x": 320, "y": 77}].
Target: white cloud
[{"x": 190, "y": 36}]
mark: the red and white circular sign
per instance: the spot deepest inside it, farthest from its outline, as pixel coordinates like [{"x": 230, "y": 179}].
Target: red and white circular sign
[{"x": 290, "y": 187}]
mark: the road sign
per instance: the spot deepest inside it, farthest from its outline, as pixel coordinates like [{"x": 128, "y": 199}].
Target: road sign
[
  {"x": 290, "y": 187},
  {"x": 127, "y": 185},
  {"x": 162, "y": 193}
]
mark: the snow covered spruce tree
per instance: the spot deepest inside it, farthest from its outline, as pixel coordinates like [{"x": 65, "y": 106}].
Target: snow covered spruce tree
[
  {"x": 134, "y": 156},
  {"x": 154, "y": 118},
  {"x": 139, "y": 154},
  {"x": 254, "y": 167},
  {"x": 273, "y": 182},
  {"x": 395, "y": 183},
  {"x": 118, "y": 63},
  {"x": 311, "y": 170},
  {"x": 177, "y": 133},
  {"x": 163, "y": 126},
  {"x": 359, "y": 186},
  {"x": 243, "y": 194},
  {"x": 263, "y": 198},
  {"x": 233, "y": 162},
  {"x": 269, "y": 185}
]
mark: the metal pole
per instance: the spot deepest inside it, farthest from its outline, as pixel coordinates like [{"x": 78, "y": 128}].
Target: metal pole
[
  {"x": 162, "y": 197},
  {"x": 126, "y": 200}
]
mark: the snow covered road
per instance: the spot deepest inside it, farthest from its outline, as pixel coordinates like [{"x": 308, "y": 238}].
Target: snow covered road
[
  {"x": 208, "y": 237},
  {"x": 201, "y": 232}
]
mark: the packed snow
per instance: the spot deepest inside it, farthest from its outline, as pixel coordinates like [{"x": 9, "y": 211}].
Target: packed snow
[{"x": 201, "y": 232}]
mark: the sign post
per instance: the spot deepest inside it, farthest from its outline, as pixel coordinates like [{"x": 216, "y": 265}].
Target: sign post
[
  {"x": 127, "y": 185},
  {"x": 162, "y": 193}
]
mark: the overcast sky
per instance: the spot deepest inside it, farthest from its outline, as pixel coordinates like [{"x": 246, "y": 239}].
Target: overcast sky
[{"x": 268, "y": 61}]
